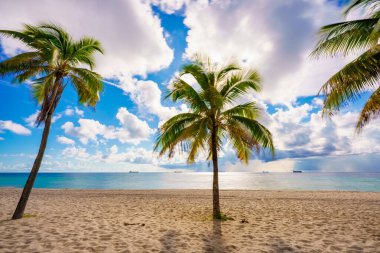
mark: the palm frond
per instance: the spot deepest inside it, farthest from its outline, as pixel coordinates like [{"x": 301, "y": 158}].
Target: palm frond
[
  {"x": 41, "y": 86},
  {"x": 87, "y": 94},
  {"x": 20, "y": 63},
  {"x": 181, "y": 128},
  {"x": 59, "y": 38},
  {"x": 261, "y": 134},
  {"x": 356, "y": 77},
  {"x": 199, "y": 140},
  {"x": 19, "y": 35},
  {"x": 249, "y": 110},
  {"x": 238, "y": 85},
  {"x": 83, "y": 51},
  {"x": 346, "y": 37},
  {"x": 360, "y": 4},
  {"x": 91, "y": 78},
  {"x": 242, "y": 141},
  {"x": 208, "y": 124},
  {"x": 225, "y": 71},
  {"x": 197, "y": 71},
  {"x": 184, "y": 91},
  {"x": 370, "y": 111},
  {"x": 53, "y": 58}
]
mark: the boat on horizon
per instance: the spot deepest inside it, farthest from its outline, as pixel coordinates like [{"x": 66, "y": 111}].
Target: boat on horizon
[
  {"x": 133, "y": 171},
  {"x": 297, "y": 171}
]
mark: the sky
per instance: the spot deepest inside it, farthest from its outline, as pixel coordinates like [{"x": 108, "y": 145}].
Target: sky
[{"x": 146, "y": 42}]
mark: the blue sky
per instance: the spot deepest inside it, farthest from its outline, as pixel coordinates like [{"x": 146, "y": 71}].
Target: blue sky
[{"x": 146, "y": 42}]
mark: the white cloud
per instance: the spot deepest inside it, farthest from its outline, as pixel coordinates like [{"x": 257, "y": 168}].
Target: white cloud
[
  {"x": 130, "y": 33},
  {"x": 88, "y": 129},
  {"x": 14, "y": 127},
  {"x": 131, "y": 155},
  {"x": 170, "y": 6},
  {"x": 274, "y": 37},
  {"x": 136, "y": 159},
  {"x": 75, "y": 152},
  {"x": 65, "y": 140},
  {"x": 79, "y": 112},
  {"x": 147, "y": 96},
  {"x": 70, "y": 111},
  {"x": 131, "y": 130},
  {"x": 31, "y": 119},
  {"x": 300, "y": 131},
  {"x": 318, "y": 102}
]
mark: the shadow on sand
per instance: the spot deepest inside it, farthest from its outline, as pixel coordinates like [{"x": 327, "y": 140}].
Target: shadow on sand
[
  {"x": 214, "y": 242},
  {"x": 168, "y": 242},
  {"x": 279, "y": 245},
  {"x": 5, "y": 221}
]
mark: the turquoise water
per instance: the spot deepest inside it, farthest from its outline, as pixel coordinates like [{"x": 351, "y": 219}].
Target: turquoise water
[{"x": 200, "y": 180}]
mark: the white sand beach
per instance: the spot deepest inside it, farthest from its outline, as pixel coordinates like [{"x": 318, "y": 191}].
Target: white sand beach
[{"x": 178, "y": 221}]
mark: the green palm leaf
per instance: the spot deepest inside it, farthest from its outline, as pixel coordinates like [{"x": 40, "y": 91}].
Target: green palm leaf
[
  {"x": 346, "y": 37},
  {"x": 53, "y": 59},
  {"x": 211, "y": 120},
  {"x": 360, "y": 4},
  {"x": 360, "y": 75},
  {"x": 371, "y": 110},
  {"x": 355, "y": 78},
  {"x": 51, "y": 63},
  {"x": 218, "y": 89}
]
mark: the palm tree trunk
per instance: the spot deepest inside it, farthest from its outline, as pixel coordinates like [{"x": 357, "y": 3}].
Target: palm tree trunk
[
  {"x": 215, "y": 183},
  {"x": 19, "y": 212}
]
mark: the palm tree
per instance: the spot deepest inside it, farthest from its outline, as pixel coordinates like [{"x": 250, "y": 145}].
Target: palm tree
[
  {"x": 214, "y": 116},
  {"x": 52, "y": 61},
  {"x": 360, "y": 75}
]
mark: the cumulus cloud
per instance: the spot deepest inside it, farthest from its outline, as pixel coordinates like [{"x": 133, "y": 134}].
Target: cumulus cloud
[
  {"x": 65, "y": 140},
  {"x": 130, "y": 155},
  {"x": 275, "y": 37},
  {"x": 73, "y": 111},
  {"x": 131, "y": 129},
  {"x": 14, "y": 127},
  {"x": 300, "y": 131},
  {"x": 113, "y": 159},
  {"x": 31, "y": 119},
  {"x": 170, "y": 6},
  {"x": 88, "y": 129},
  {"x": 147, "y": 95},
  {"x": 130, "y": 33},
  {"x": 75, "y": 152}
]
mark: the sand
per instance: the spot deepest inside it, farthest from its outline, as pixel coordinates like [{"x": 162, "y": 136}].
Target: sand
[{"x": 179, "y": 221}]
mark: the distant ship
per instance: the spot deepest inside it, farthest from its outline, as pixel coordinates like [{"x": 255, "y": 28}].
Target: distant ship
[
  {"x": 265, "y": 172},
  {"x": 177, "y": 171},
  {"x": 133, "y": 171},
  {"x": 297, "y": 171}
]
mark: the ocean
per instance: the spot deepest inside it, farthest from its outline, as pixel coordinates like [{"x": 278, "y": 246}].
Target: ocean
[{"x": 344, "y": 181}]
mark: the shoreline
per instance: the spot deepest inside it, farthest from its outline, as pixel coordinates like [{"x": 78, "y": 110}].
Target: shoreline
[
  {"x": 366, "y": 182},
  {"x": 179, "y": 221},
  {"x": 189, "y": 189}
]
